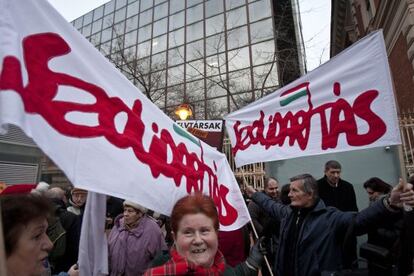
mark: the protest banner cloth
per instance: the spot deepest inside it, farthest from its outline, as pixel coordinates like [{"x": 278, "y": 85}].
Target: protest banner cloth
[
  {"x": 345, "y": 104},
  {"x": 96, "y": 125}
]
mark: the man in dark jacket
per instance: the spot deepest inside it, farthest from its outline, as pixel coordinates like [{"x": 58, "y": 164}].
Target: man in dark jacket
[
  {"x": 311, "y": 234},
  {"x": 339, "y": 193},
  {"x": 71, "y": 225}
]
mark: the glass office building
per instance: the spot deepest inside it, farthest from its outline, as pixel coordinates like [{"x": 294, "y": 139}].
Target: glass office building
[{"x": 216, "y": 55}]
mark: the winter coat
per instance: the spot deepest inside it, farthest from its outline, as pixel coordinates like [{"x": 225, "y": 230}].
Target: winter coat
[
  {"x": 131, "y": 251},
  {"x": 321, "y": 236}
]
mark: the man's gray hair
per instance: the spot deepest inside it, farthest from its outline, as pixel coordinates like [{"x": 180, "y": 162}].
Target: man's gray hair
[
  {"x": 332, "y": 164},
  {"x": 309, "y": 184}
]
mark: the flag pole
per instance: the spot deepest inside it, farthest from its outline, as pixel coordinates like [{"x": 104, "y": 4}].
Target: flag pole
[{"x": 254, "y": 228}]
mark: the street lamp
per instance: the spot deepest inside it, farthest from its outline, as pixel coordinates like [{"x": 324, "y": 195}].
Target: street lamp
[{"x": 183, "y": 111}]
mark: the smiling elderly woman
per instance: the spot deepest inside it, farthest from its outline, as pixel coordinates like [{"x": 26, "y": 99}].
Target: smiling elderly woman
[{"x": 194, "y": 222}]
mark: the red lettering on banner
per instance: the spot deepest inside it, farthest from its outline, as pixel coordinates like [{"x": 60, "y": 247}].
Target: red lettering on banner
[
  {"x": 38, "y": 98},
  {"x": 296, "y": 127}
]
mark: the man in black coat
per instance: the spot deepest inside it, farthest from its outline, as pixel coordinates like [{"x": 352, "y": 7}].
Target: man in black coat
[{"x": 71, "y": 224}]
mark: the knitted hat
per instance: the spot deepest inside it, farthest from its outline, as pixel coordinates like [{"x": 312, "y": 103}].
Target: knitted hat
[
  {"x": 78, "y": 191},
  {"x": 136, "y": 206},
  {"x": 42, "y": 186}
]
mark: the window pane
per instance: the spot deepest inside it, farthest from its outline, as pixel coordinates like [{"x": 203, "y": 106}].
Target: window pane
[
  {"x": 195, "y": 70},
  {"x": 87, "y": 18},
  {"x": 160, "y": 11},
  {"x": 237, "y": 37},
  {"x": 98, "y": 12},
  {"x": 263, "y": 52},
  {"x": 261, "y": 73},
  {"x": 176, "y": 20},
  {"x": 215, "y": 25},
  {"x": 194, "y": 14},
  {"x": 131, "y": 38},
  {"x": 120, "y": 4},
  {"x": 230, "y": 4},
  {"x": 236, "y": 17},
  {"x": 145, "y": 4},
  {"x": 239, "y": 59},
  {"x": 86, "y": 31},
  {"x": 176, "y": 56},
  {"x": 133, "y": 9},
  {"x": 261, "y": 30},
  {"x": 120, "y": 15},
  {"x": 145, "y": 17},
  {"x": 194, "y": 31},
  {"x": 243, "y": 99},
  {"x": 193, "y": 2},
  {"x": 106, "y": 35},
  {"x": 159, "y": 44},
  {"x": 96, "y": 39},
  {"x": 160, "y": 27},
  {"x": 97, "y": 26},
  {"x": 78, "y": 22},
  {"x": 215, "y": 44},
  {"x": 176, "y": 5},
  {"x": 108, "y": 21},
  {"x": 132, "y": 23},
  {"x": 144, "y": 33},
  {"x": 119, "y": 28},
  {"x": 195, "y": 90},
  {"x": 195, "y": 50},
  {"x": 109, "y": 7},
  {"x": 175, "y": 95},
  {"x": 158, "y": 61},
  {"x": 259, "y": 10},
  {"x": 216, "y": 65},
  {"x": 176, "y": 38},
  {"x": 144, "y": 49},
  {"x": 216, "y": 108},
  {"x": 215, "y": 87},
  {"x": 240, "y": 81},
  {"x": 214, "y": 7}
]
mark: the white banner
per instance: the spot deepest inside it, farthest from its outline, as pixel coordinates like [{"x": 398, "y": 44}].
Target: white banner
[
  {"x": 345, "y": 104},
  {"x": 96, "y": 126}
]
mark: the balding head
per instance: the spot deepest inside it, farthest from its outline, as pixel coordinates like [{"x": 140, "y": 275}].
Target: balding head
[{"x": 56, "y": 193}]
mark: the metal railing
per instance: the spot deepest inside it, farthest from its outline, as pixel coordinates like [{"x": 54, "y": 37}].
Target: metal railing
[
  {"x": 407, "y": 135},
  {"x": 253, "y": 173}
]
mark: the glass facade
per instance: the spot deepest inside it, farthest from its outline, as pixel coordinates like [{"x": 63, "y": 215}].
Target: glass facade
[{"x": 217, "y": 55}]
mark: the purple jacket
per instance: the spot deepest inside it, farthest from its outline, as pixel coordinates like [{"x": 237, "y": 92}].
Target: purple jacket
[{"x": 131, "y": 252}]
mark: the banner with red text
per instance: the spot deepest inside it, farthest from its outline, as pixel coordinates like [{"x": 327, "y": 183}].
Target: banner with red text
[
  {"x": 97, "y": 126},
  {"x": 346, "y": 104}
]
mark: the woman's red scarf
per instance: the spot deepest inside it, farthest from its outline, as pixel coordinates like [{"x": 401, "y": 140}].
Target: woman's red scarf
[{"x": 178, "y": 265}]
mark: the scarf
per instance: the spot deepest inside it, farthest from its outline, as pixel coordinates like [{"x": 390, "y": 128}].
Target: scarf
[{"x": 179, "y": 266}]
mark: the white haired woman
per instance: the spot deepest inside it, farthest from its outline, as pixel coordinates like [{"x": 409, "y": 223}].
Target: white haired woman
[{"x": 134, "y": 241}]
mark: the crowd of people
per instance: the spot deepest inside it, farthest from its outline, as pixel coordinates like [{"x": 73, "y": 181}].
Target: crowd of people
[{"x": 306, "y": 227}]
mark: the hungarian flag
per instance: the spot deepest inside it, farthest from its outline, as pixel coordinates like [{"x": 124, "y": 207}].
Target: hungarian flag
[{"x": 346, "y": 104}]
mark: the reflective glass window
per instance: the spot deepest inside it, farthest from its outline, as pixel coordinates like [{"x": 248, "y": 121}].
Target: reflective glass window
[
  {"x": 261, "y": 30},
  {"x": 240, "y": 81},
  {"x": 237, "y": 37},
  {"x": 119, "y": 28},
  {"x": 161, "y": 11},
  {"x": 215, "y": 24},
  {"x": 176, "y": 38},
  {"x": 106, "y": 35},
  {"x": 194, "y": 31},
  {"x": 230, "y": 4},
  {"x": 145, "y": 17},
  {"x": 109, "y": 7},
  {"x": 97, "y": 26},
  {"x": 194, "y": 14},
  {"x": 146, "y": 4},
  {"x": 216, "y": 108},
  {"x": 96, "y": 39},
  {"x": 160, "y": 27},
  {"x": 176, "y": 5},
  {"x": 195, "y": 90},
  {"x": 215, "y": 44},
  {"x": 159, "y": 61},
  {"x": 108, "y": 20},
  {"x": 120, "y": 3},
  {"x": 239, "y": 59},
  {"x": 176, "y": 20},
  {"x": 176, "y": 56},
  {"x": 144, "y": 33},
  {"x": 215, "y": 87},
  {"x": 263, "y": 52},
  {"x": 87, "y": 18},
  {"x": 193, "y": 2},
  {"x": 131, "y": 38},
  {"x": 98, "y": 12},
  {"x": 119, "y": 15},
  {"x": 86, "y": 31},
  {"x": 195, "y": 50},
  {"x": 259, "y": 10},
  {"x": 78, "y": 23},
  {"x": 131, "y": 23},
  {"x": 144, "y": 49},
  {"x": 236, "y": 17},
  {"x": 175, "y": 94},
  {"x": 159, "y": 44},
  {"x": 216, "y": 65},
  {"x": 133, "y": 9},
  {"x": 194, "y": 70},
  {"x": 176, "y": 75},
  {"x": 214, "y": 7}
]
